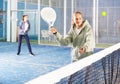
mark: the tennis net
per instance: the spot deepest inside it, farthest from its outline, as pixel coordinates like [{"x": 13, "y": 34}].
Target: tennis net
[{"x": 100, "y": 68}]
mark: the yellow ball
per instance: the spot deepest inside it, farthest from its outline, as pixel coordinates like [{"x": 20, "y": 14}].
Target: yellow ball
[{"x": 103, "y": 13}]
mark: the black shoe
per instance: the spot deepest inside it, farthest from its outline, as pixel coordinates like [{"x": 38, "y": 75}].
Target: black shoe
[
  {"x": 18, "y": 53},
  {"x": 31, "y": 54}
]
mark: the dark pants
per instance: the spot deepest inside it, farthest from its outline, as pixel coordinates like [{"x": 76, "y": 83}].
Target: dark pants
[{"x": 27, "y": 41}]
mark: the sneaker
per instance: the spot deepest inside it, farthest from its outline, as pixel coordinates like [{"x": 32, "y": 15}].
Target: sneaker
[
  {"x": 31, "y": 54},
  {"x": 18, "y": 53}
]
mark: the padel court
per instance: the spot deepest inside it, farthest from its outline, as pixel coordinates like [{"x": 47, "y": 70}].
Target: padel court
[
  {"x": 16, "y": 69},
  {"x": 52, "y": 62}
]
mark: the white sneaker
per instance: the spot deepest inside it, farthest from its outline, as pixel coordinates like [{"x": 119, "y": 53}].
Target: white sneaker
[{"x": 31, "y": 54}]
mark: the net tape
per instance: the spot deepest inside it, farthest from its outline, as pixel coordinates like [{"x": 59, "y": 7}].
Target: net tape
[{"x": 100, "y": 68}]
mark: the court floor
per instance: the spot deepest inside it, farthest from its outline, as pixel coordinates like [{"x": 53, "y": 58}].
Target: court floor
[{"x": 20, "y": 69}]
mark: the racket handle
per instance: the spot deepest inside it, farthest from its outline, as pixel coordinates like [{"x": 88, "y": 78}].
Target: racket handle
[{"x": 51, "y": 26}]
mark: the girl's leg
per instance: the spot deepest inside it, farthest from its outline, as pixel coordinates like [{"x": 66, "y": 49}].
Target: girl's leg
[
  {"x": 28, "y": 44},
  {"x": 19, "y": 44}
]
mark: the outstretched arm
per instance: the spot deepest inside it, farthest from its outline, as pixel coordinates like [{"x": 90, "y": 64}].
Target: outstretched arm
[{"x": 63, "y": 40}]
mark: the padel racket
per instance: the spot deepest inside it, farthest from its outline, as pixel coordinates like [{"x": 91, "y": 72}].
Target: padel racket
[{"x": 48, "y": 14}]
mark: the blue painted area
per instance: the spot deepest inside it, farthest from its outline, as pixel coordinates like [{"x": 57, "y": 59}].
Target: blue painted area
[
  {"x": 1, "y": 18},
  {"x": 1, "y": 29},
  {"x": 19, "y": 69},
  {"x": 97, "y": 50},
  {"x": 20, "y": 5},
  {"x": 31, "y": 6},
  {"x": 109, "y": 3},
  {"x": 1, "y": 4}
]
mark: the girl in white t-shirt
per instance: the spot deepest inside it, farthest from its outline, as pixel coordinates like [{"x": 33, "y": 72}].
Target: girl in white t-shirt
[{"x": 23, "y": 29}]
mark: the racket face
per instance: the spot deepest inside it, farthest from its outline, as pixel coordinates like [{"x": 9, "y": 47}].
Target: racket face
[{"x": 48, "y": 14}]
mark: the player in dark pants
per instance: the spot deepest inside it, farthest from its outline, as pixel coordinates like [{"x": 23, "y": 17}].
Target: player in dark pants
[{"x": 24, "y": 27}]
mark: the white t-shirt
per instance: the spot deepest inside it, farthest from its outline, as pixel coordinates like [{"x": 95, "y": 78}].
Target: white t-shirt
[
  {"x": 77, "y": 30},
  {"x": 26, "y": 26}
]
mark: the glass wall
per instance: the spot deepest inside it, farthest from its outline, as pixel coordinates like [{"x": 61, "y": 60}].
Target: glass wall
[
  {"x": 1, "y": 19},
  {"x": 3, "y": 14},
  {"x": 108, "y": 30},
  {"x": 109, "y": 23}
]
